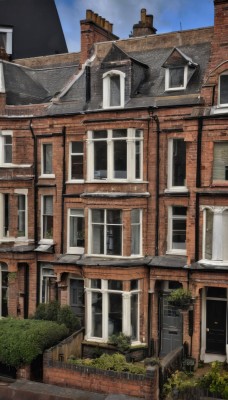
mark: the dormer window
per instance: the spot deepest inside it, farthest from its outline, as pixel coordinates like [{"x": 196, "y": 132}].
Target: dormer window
[
  {"x": 176, "y": 78},
  {"x": 223, "y": 90},
  {"x": 113, "y": 89},
  {"x": 6, "y": 38}
]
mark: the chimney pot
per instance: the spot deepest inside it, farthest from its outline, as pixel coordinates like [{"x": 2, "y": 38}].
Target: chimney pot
[
  {"x": 143, "y": 15},
  {"x": 89, "y": 14}
]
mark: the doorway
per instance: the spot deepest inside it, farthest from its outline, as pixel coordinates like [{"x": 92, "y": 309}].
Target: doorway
[
  {"x": 171, "y": 326},
  {"x": 216, "y": 320}
]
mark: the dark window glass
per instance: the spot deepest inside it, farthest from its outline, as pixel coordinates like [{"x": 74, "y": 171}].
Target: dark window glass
[
  {"x": 96, "y": 283},
  {"x": 179, "y": 162},
  {"x": 216, "y": 292},
  {"x": 224, "y": 89},
  {"x": 77, "y": 160},
  {"x": 47, "y": 158},
  {"x": 47, "y": 217},
  {"x": 6, "y": 215},
  {"x": 176, "y": 77},
  {"x": 115, "y": 285},
  {"x": 120, "y": 159},
  {"x": 115, "y": 90},
  {"x": 21, "y": 215},
  {"x": 7, "y": 149},
  {"x": 96, "y": 315},
  {"x": 100, "y": 160},
  {"x": 77, "y": 228},
  {"x": 115, "y": 313}
]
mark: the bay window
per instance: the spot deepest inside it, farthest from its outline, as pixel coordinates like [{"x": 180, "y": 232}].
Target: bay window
[
  {"x": 136, "y": 231},
  {"x": 113, "y": 307},
  {"x": 115, "y": 155},
  {"x": 215, "y": 233}
]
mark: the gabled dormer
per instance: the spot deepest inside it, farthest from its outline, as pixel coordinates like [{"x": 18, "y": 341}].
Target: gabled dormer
[
  {"x": 122, "y": 75},
  {"x": 179, "y": 69}
]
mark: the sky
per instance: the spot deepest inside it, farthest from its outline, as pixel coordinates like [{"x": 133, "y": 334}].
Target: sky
[{"x": 169, "y": 15}]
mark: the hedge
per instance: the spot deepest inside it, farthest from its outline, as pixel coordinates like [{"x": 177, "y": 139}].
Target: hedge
[{"x": 21, "y": 341}]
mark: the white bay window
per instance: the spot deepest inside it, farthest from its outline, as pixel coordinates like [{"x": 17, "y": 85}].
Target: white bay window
[
  {"x": 112, "y": 309},
  {"x": 115, "y": 155}
]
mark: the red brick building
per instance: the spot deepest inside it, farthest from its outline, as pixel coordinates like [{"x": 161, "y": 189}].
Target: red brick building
[{"x": 113, "y": 184}]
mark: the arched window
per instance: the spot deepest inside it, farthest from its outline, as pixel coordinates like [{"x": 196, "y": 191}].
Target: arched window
[{"x": 113, "y": 89}]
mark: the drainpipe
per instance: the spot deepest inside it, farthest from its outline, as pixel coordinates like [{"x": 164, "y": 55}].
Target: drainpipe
[
  {"x": 156, "y": 119},
  {"x": 63, "y": 186},
  {"x": 198, "y": 184},
  {"x": 35, "y": 181},
  {"x": 26, "y": 290}
]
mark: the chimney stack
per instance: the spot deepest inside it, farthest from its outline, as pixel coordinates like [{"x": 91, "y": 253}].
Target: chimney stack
[
  {"x": 145, "y": 26},
  {"x": 94, "y": 29}
]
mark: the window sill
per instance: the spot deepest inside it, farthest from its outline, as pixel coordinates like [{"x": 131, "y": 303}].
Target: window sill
[
  {"x": 7, "y": 239},
  {"x": 177, "y": 252},
  {"x": 112, "y": 107},
  {"x": 47, "y": 176},
  {"x": 220, "y": 183},
  {"x": 10, "y": 165},
  {"x": 175, "y": 89},
  {"x": 178, "y": 189},
  {"x": 134, "y": 181},
  {"x": 219, "y": 110},
  {"x": 46, "y": 241},
  {"x": 76, "y": 250},
  {"x": 105, "y": 256},
  {"x": 75, "y": 181},
  {"x": 213, "y": 262}
]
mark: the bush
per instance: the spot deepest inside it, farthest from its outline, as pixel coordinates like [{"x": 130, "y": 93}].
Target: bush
[
  {"x": 21, "y": 341},
  {"x": 216, "y": 380},
  {"x": 180, "y": 298},
  {"x": 115, "y": 362},
  {"x": 179, "y": 382},
  {"x": 121, "y": 341},
  {"x": 54, "y": 312}
]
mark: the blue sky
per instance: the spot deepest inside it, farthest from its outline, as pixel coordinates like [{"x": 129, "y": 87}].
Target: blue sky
[{"x": 169, "y": 15}]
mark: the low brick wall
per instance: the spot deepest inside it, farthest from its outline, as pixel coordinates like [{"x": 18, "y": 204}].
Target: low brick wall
[{"x": 108, "y": 382}]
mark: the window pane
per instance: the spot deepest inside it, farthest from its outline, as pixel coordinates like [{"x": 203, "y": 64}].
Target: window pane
[
  {"x": 96, "y": 315},
  {"x": 119, "y": 133},
  {"x": 220, "y": 167},
  {"x": 209, "y": 232},
  {"x": 77, "y": 167},
  {"x": 179, "y": 234},
  {"x": 77, "y": 147},
  {"x": 114, "y": 217},
  {"x": 115, "y": 313},
  {"x": 6, "y": 214},
  {"x": 115, "y": 90},
  {"x": 135, "y": 216},
  {"x": 48, "y": 205},
  {"x": 137, "y": 160},
  {"x": 77, "y": 231},
  {"x": 134, "y": 284},
  {"x": 134, "y": 316},
  {"x": 182, "y": 211},
  {"x": 98, "y": 239},
  {"x": 47, "y": 154},
  {"x": 100, "y": 160},
  {"x": 99, "y": 134},
  {"x": 8, "y": 149},
  {"x": 224, "y": 236},
  {"x": 216, "y": 292},
  {"x": 120, "y": 159},
  {"x": 98, "y": 216},
  {"x": 135, "y": 239},
  {"x": 21, "y": 215},
  {"x": 3, "y": 39},
  {"x": 114, "y": 240},
  {"x": 176, "y": 77},
  {"x": 96, "y": 283},
  {"x": 115, "y": 285},
  {"x": 224, "y": 89},
  {"x": 47, "y": 217},
  {"x": 179, "y": 162}
]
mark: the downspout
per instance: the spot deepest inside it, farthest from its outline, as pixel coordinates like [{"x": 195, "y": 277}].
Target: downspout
[
  {"x": 26, "y": 290},
  {"x": 198, "y": 184},
  {"x": 156, "y": 119},
  {"x": 63, "y": 187},
  {"x": 35, "y": 181}
]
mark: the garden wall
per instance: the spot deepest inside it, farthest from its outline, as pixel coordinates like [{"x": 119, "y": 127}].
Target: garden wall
[{"x": 95, "y": 380}]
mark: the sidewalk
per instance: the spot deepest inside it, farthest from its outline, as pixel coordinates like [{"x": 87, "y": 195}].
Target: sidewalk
[{"x": 29, "y": 390}]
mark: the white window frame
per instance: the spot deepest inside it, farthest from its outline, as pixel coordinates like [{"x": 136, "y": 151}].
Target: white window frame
[
  {"x": 140, "y": 231},
  {"x": 43, "y": 174},
  {"x": 90, "y": 235},
  {"x": 70, "y": 179},
  {"x": 74, "y": 250},
  {"x": 170, "y": 186},
  {"x": 106, "y": 88},
  {"x": 46, "y": 271},
  {"x": 217, "y": 235},
  {"x": 126, "y": 311},
  {"x": 23, "y": 192},
  {"x": 3, "y": 237},
  {"x": 3, "y": 135},
  {"x": 131, "y": 140},
  {"x": 167, "y": 78},
  {"x": 171, "y": 217},
  {"x": 223, "y": 105},
  {"x": 2, "y": 80},
  {"x": 44, "y": 240},
  {"x": 9, "y": 39}
]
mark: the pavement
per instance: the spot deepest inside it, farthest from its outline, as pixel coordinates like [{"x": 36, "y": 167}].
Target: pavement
[{"x": 22, "y": 389}]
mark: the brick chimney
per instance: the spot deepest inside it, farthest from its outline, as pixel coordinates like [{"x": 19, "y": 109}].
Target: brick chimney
[
  {"x": 94, "y": 29},
  {"x": 145, "y": 26}
]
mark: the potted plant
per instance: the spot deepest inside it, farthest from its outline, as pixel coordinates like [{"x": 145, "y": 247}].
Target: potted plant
[{"x": 180, "y": 298}]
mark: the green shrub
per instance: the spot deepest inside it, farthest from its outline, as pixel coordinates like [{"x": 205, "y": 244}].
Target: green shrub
[
  {"x": 21, "y": 341},
  {"x": 68, "y": 318},
  {"x": 179, "y": 381},
  {"x": 115, "y": 362},
  {"x": 54, "y": 312},
  {"x": 216, "y": 380},
  {"x": 180, "y": 298},
  {"x": 121, "y": 341}
]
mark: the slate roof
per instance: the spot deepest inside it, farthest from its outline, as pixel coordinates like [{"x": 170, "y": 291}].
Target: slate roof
[{"x": 63, "y": 88}]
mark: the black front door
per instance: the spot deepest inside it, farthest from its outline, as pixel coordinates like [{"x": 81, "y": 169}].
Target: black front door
[{"x": 216, "y": 326}]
